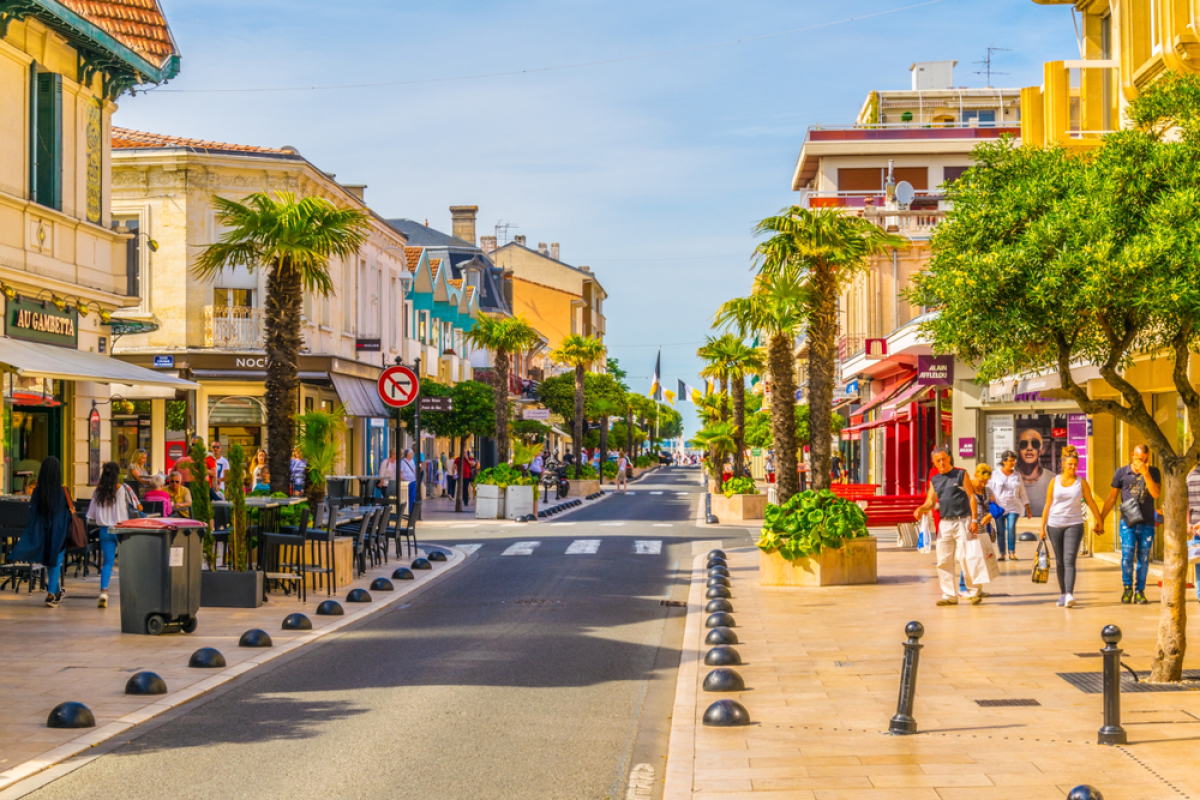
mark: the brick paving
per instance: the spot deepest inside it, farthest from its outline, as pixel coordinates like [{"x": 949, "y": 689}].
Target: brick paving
[{"x": 822, "y": 667}]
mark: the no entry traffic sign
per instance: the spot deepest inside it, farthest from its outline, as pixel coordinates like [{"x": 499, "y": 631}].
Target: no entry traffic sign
[{"x": 398, "y": 386}]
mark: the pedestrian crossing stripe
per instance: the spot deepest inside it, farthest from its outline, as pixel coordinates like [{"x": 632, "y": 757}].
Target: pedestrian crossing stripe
[
  {"x": 521, "y": 549},
  {"x": 645, "y": 548},
  {"x": 468, "y": 548},
  {"x": 656, "y": 493},
  {"x": 583, "y": 546},
  {"x": 662, "y": 525},
  {"x": 631, "y": 493},
  {"x": 651, "y": 547}
]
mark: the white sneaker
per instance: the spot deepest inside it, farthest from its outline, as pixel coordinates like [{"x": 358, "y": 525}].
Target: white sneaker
[
  {"x": 1070, "y": 602},
  {"x": 103, "y": 600},
  {"x": 1062, "y": 601}
]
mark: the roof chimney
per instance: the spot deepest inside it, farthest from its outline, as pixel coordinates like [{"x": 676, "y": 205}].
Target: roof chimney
[
  {"x": 487, "y": 244},
  {"x": 554, "y": 251},
  {"x": 356, "y": 189},
  {"x": 543, "y": 249},
  {"x": 519, "y": 239},
  {"x": 463, "y": 222},
  {"x": 585, "y": 269}
]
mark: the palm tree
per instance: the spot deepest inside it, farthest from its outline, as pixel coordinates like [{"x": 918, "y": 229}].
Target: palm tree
[
  {"x": 719, "y": 438},
  {"x": 775, "y": 310},
  {"x": 581, "y": 352},
  {"x": 293, "y": 240},
  {"x": 830, "y": 247},
  {"x": 730, "y": 360},
  {"x": 713, "y": 409},
  {"x": 503, "y": 336}
]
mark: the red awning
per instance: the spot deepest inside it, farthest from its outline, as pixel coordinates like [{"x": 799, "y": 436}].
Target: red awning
[
  {"x": 883, "y": 398},
  {"x": 909, "y": 395},
  {"x": 862, "y": 426},
  {"x": 28, "y": 399}
]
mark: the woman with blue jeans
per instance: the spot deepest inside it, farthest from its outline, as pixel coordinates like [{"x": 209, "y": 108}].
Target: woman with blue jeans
[
  {"x": 1008, "y": 489},
  {"x": 1138, "y": 485},
  {"x": 45, "y": 538},
  {"x": 109, "y": 508}
]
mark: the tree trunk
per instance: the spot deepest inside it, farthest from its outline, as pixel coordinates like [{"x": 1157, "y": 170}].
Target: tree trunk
[
  {"x": 822, "y": 351},
  {"x": 783, "y": 416},
  {"x": 458, "y": 483},
  {"x": 577, "y": 427},
  {"x": 501, "y": 361},
  {"x": 1172, "y": 620},
  {"x": 282, "y": 340},
  {"x": 629, "y": 433},
  {"x": 739, "y": 419},
  {"x": 603, "y": 446}
]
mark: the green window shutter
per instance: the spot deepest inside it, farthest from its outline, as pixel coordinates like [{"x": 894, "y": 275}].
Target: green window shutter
[{"x": 46, "y": 172}]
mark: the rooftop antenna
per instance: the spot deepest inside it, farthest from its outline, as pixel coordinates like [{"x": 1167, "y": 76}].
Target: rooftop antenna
[
  {"x": 987, "y": 64},
  {"x": 502, "y": 231}
]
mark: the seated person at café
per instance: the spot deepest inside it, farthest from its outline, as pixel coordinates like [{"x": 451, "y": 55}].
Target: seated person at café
[
  {"x": 157, "y": 494},
  {"x": 181, "y": 496},
  {"x": 263, "y": 483}
]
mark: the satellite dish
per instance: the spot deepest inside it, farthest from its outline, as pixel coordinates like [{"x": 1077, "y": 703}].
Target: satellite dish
[{"x": 905, "y": 193}]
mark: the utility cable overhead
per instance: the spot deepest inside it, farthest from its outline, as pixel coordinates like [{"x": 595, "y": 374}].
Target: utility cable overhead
[{"x": 554, "y": 68}]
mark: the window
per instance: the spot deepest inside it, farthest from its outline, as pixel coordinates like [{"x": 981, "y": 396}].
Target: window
[
  {"x": 393, "y": 311},
  {"x": 233, "y": 298},
  {"x": 347, "y": 295},
  {"x": 423, "y": 327},
  {"x": 951, "y": 174},
  {"x": 985, "y": 119},
  {"x": 45, "y": 124},
  {"x": 133, "y": 256}
]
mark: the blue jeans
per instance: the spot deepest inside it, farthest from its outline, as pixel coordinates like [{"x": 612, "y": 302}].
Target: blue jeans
[
  {"x": 54, "y": 578},
  {"x": 1136, "y": 543},
  {"x": 1006, "y": 533},
  {"x": 108, "y": 552}
]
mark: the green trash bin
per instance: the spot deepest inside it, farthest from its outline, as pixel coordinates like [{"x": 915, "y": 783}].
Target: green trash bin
[{"x": 160, "y": 574}]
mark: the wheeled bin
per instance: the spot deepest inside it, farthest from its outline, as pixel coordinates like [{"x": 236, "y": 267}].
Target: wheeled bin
[{"x": 160, "y": 574}]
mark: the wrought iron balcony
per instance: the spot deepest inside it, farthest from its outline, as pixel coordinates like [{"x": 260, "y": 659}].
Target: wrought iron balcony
[{"x": 234, "y": 327}]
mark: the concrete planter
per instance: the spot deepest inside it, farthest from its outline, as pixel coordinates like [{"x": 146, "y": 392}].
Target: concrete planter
[
  {"x": 739, "y": 507},
  {"x": 852, "y": 563},
  {"x": 519, "y": 501},
  {"x": 489, "y": 502},
  {"x": 582, "y": 489}
]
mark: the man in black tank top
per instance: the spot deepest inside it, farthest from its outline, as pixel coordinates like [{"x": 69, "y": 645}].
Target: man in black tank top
[{"x": 953, "y": 491}]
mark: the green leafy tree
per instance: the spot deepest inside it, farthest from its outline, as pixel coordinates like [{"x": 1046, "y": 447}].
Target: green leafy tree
[
  {"x": 202, "y": 509},
  {"x": 582, "y": 353},
  {"x": 472, "y": 414},
  {"x": 731, "y": 360},
  {"x": 827, "y": 248},
  {"x": 614, "y": 369},
  {"x": 503, "y": 337},
  {"x": 1052, "y": 257},
  {"x": 293, "y": 240},
  {"x": 719, "y": 439},
  {"x": 239, "y": 524}
]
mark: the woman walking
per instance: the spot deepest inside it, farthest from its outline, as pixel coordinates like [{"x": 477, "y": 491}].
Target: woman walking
[
  {"x": 622, "y": 464},
  {"x": 45, "y": 538},
  {"x": 109, "y": 508},
  {"x": 1062, "y": 520},
  {"x": 1009, "y": 491}
]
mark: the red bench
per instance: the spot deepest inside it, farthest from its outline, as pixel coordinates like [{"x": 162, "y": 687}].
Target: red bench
[
  {"x": 855, "y": 491},
  {"x": 892, "y": 509}
]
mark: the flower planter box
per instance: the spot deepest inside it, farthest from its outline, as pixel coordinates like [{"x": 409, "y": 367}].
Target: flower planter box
[
  {"x": 489, "y": 502},
  {"x": 581, "y": 489},
  {"x": 519, "y": 501},
  {"x": 227, "y": 589},
  {"x": 739, "y": 507},
  {"x": 852, "y": 563}
]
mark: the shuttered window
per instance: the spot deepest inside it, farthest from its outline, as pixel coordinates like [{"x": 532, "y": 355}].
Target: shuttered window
[{"x": 45, "y": 115}]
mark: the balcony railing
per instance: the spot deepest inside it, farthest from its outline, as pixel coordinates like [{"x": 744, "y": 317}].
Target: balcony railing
[
  {"x": 909, "y": 131},
  {"x": 915, "y": 224},
  {"x": 234, "y": 327},
  {"x": 833, "y": 199}
]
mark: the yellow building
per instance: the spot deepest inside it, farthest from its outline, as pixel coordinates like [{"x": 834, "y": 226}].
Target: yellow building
[{"x": 63, "y": 65}]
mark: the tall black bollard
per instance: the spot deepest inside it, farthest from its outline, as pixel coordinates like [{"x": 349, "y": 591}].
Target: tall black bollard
[
  {"x": 1112, "y": 732},
  {"x": 903, "y": 723}
]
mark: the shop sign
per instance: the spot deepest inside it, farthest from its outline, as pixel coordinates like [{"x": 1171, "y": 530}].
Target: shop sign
[
  {"x": 164, "y": 362},
  {"x": 542, "y": 414},
  {"x": 852, "y": 388},
  {"x": 966, "y": 447},
  {"x": 367, "y": 345},
  {"x": 876, "y": 348},
  {"x": 935, "y": 370},
  {"x": 175, "y": 451},
  {"x": 37, "y": 321},
  {"x": 93, "y": 448}
]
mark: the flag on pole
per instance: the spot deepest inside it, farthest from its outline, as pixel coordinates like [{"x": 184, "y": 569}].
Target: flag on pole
[
  {"x": 708, "y": 387},
  {"x": 655, "y": 386},
  {"x": 670, "y": 396},
  {"x": 688, "y": 393}
]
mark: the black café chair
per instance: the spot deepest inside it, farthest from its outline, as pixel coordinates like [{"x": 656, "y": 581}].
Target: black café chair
[
  {"x": 370, "y": 516},
  {"x": 379, "y": 538},
  {"x": 14, "y": 517},
  {"x": 405, "y": 528},
  {"x": 222, "y": 530},
  {"x": 321, "y": 534},
  {"x": 283, "y": 558}
]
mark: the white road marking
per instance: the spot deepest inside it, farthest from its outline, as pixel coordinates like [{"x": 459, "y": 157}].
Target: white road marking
[
  {"x": 631, "y": 493},
  {"x": 656, "y": 493},
  {"x": 521, "y": 549},
  {"x": 583, "y": 547},
  {"x": 560, "y": 524},
  {"x": 662, "y": 525},
  {"x": 611, "y": 524},
  {"x": 641, "y": 782},
  {"x": 468, "y": 548},
  {"x": 644, "y": 548},
  {"x": 683, "y": 494}
]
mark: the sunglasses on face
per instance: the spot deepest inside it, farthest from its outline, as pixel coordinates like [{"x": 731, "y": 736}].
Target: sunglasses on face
[
  {"x": 1030, "y": 444},
  {"x": 176, "y": 483}
]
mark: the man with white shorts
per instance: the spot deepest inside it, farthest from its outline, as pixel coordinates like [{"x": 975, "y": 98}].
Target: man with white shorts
[{"x": 954, "y": 493}]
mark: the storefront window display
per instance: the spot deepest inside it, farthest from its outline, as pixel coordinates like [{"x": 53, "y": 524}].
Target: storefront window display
[
  {"x": 1038, "y": 440},
  {"x": 33, "y": 429}
]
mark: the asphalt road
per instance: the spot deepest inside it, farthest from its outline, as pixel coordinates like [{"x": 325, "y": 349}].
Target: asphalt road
[{"x": 540, "y": 676}]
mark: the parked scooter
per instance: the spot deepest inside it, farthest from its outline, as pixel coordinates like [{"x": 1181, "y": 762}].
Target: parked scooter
[{"x": 554, "y": 476}]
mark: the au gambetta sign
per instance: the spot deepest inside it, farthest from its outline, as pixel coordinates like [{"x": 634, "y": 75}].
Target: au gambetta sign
[
  {"x": 935, "y": 371},
  {"x": 35, "y": 321}
]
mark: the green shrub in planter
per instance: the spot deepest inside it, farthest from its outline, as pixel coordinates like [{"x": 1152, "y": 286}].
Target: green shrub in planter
[
  {"x": 586, "y": 473},
  {"x": 645, "y": 462},
  {"x": 809, "y": 522},
  {"x": 503, "y": 475},
  {"x": 740, "y": 486},
  {"x": 609, "y": 469}
]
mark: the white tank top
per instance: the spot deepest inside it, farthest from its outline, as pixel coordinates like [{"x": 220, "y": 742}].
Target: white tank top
[{"x": 1067, "y": 508}]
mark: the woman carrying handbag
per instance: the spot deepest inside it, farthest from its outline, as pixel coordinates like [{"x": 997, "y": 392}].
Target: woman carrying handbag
[
  {"x": 45, "y": 539},
  {"x": 1062, "y": 521}
]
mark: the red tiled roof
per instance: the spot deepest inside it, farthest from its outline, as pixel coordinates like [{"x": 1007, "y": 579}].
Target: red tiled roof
[
  {"x": 412, "y": 255},
  {"x": 455, "y": 282},
  {"x": 435, "y": 266},
  {"x": 137, "y": 24},
  {"x": 125, "y": 139}
]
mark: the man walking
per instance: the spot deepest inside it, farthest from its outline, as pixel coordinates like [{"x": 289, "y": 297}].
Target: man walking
[
  {"x": 953, "y": 491},
  {"x": 408, "y": 472},
  {"x": 1137, "y": 485},
  {"x": 221, "y": 464}
]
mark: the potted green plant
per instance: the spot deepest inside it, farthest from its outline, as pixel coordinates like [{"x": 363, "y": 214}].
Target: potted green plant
[
  {"x": 490, "y": 491},
  {"x": 816, "y": 539},
  {"x": 236, "y": 586},
  {"x": 521, "y": 493},
  {"x": 318, "y": 438},
  {"x": 587, "y": 482},
  {"x": 739, "y": 500}
]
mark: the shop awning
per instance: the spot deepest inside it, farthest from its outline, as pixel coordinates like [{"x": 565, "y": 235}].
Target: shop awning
[
  {"x": 905, "y": 397},
  {"x": 31, "y": 360},
  {"x": 883, "y": 398},
  {"x": 359, "y": 396},
  {"x": 862, "y": 426}
]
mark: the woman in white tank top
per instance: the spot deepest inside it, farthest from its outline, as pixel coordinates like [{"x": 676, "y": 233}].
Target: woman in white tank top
[{"x": 1062, "y": 521}]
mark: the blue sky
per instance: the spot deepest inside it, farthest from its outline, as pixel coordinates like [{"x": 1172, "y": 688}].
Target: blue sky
[{"x": 652, "y": 171}]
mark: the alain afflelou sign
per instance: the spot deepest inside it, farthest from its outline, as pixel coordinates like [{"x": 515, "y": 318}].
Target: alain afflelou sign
[{"x": 35, "y": 321}]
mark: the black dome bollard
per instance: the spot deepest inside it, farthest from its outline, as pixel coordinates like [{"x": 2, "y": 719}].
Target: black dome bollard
[
  {"x": 718, "y": 591},
  {"x": 71, "y": 715},
  {"x": 719, "y": 580},
  {"x": 403, "y": 574},
  {"x": 358, "y": 596},
  {"x": 724, "y": 679},
  {"x": 723, "y": 656},
  {"x": 382, "y": 585},
  {"x": 330, "y": 608},
  {"x": 437, "y": 555},
  {"x": 716, "y": 562},
  {"x": 716, "y": 553},
  {"x": 421, "y": 563},
  {"x": 718, "y": 572},
  {"x": 726, "y": 714},
  {"x": 1028, "y": 536},
  {"x": 1085, "y": 792},
  {"x": 720, "y": 619},
  {"x": 297, "y": 622},
  {"x": 255, "y": 637},
  {"x": 207, "y": 658},
  {"x": 145, "y": 683},
  {"x": 719, "y": 604},
  {"x": 541, "y": 514},
  {"x": 721, "y": 636}
]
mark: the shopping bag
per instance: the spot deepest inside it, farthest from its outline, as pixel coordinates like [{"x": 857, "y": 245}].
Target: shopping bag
[
  {"x": 991, "y": 557},
  {"x": 975, "y": 561},
  {"x": 1041, "y": 564},
  {"x": 925, "y": 534},
  {"x": 1194, "y": 552}
]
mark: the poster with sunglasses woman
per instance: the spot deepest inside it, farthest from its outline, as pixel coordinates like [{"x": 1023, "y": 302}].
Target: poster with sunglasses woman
[{"x": 1037, "y": 455}]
